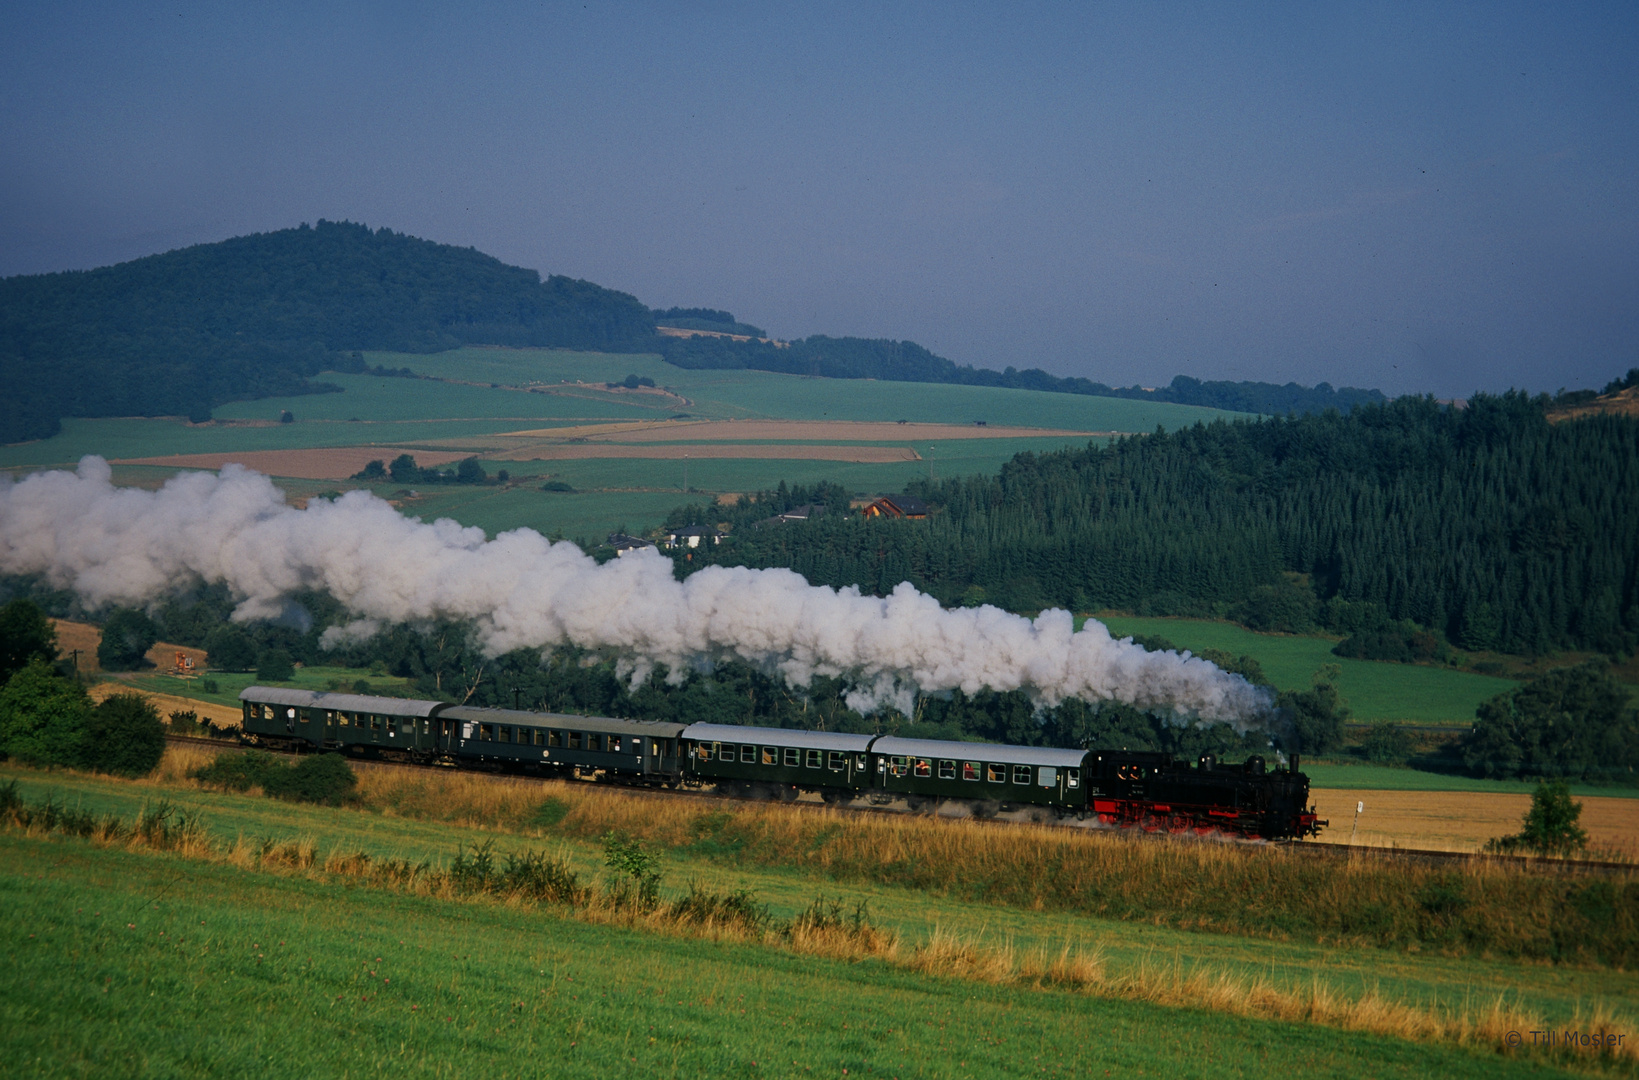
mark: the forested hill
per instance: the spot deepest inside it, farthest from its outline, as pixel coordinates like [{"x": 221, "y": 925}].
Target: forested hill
[
  {"x": 180, "y": 332},
  {"x": 1489, "y": 525},
  {"x": 906, "y": 361}
]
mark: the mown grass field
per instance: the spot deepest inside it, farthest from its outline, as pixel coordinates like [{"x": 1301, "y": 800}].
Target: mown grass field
[
  {"x": 293, "y": 959},
  {"x": 1375, "y": 691}
]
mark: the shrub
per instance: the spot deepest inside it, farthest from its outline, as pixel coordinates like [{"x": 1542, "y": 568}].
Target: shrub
[
  {"x": 325, "y": 778},
  {"x": 557, "y": 485},
  {"x": 1402, "y": 642},
  {"x": 126, "y": 636},
  {"x": 275, "y": 665},
  {"x": 1572, "y": 722},
  {"x": 1550, "y": 826},
  {"x": 237, "y": 772},
  {"x": 25, "y": 634},
  {"x": 124, "y": 736},
  {"x": 1387, "y": 744},
  {"x": 43, "y": 717},
  {"x": 639, "y": 881},
  {"x": 228, "y": 648},
  {"x": 1316, "y": 715},
  {"x": 1286, "y": 607}
]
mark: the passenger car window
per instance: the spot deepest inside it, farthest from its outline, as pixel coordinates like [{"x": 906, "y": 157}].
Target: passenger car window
[
  {"x": 924, "y": 768},
  {"x": 816, "y": 758},
  {"x": 1072, "y": 778},
  {"x": 947, "y": 770},
  {"x": 996, "y": 774},
  {"x": 574, "y": 740},
  {"x": 899, "y": 766},
  {"x": 506, "y": 733},
  {"x": 838, "y": 762},
  {"x": 793, "y": 756},
  {"x": 614, "y": 744},
  {"x": 1021, "y": 774},
  {"x": 1047, "y": 776},
  {"x": 554, "y": 738},
  {"x": 771, "y": 755},
  {"x": 540, "y": 737},
  {"x": 748, "y": 754},
  {"x": 970, "y": 770},
  {"x": 486, "y": 732}
]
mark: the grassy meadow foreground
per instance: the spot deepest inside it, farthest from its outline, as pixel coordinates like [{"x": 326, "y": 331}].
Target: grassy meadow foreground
[{"x": 294, "y": 939}]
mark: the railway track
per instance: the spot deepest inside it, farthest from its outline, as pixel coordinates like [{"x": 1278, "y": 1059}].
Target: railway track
[{"x": 1307, "y": 848}]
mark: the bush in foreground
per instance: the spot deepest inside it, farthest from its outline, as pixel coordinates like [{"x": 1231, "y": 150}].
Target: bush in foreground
[
  {"x": 43, "y": 717},
  {"x": 124, "y": 736},
  {"x": 323, "y": 778}
]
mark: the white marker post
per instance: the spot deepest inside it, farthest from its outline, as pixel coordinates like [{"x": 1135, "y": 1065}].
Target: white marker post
[{"x": 1358, "y": 807}]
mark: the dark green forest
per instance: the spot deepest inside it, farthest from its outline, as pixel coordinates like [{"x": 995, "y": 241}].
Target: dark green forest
[
  {"x": 178, "y": 333},
  {"x": 906, "y": 361},
  {"x": 1489, "y": 526}
]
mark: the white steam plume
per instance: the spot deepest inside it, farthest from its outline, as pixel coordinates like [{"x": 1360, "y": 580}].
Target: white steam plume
[{"x": 129, "y": 546}]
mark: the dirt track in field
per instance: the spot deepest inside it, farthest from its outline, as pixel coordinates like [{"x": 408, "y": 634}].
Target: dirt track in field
[
  {"x": 1462, "y": 820},
  {"x": 753, "y": 430},
  {"x": 321, "y": 463},
  {"x": 776, "y": 451}
]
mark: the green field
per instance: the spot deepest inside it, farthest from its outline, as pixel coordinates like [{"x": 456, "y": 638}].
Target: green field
[
  {"x": 766, "y": 394},
  {"x": 1374, "y": 691},
  {"x": 435, "y": 413},
  {"x": 86, "y": 991},
  {"x": 1367, "y": 777}
]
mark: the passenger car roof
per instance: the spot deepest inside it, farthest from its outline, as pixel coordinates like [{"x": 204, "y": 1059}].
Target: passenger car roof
[
  {"x": 568, "y": 721},
  {"x": 894, "y": 746},
  {"x": 365, "y": 703},
  {"x": 764, "y": 736}
]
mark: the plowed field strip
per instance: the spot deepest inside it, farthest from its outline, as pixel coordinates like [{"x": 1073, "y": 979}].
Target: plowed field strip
[
  {"x": 760, "y": 452},
  {"x": 841, "y": 430}
]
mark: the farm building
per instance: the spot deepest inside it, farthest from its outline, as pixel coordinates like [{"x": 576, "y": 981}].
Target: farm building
[
  {"x": 897, "y": 506},
  {"x": 624, "y": 545},
  {"x": 693, "y": 537}
]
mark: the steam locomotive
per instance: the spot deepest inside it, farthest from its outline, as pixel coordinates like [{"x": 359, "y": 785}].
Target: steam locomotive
[{"x": 1150, "y": 790}]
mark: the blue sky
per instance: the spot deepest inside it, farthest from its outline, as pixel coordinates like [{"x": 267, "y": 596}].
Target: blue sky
[{"x": 1420, "y": 198}]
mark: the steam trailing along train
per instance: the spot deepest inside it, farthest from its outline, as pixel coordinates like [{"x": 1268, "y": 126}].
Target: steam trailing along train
[{"x": 1119, "y": 787}]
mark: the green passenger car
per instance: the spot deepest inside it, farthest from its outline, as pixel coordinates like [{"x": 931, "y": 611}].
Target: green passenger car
[
  {"x": 563, "y": 743},
  {"x": 393, "y": 728},
  {"x": 782, "y": 759},
  {"x": 925, "y": 769}
]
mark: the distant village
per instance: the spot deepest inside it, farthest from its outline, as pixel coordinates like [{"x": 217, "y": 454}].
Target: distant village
[{"x": 695, "y": 536}]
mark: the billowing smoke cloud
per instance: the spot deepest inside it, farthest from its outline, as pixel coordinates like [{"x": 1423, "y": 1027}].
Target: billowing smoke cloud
[{"x": 131, "y": 547}]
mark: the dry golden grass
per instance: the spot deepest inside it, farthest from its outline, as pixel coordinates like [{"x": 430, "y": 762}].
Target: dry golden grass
[
  {"x": 1464, "y": 820},
  {"x": 220, "y": 715},
  {"x": 1482, "y": 906}
]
